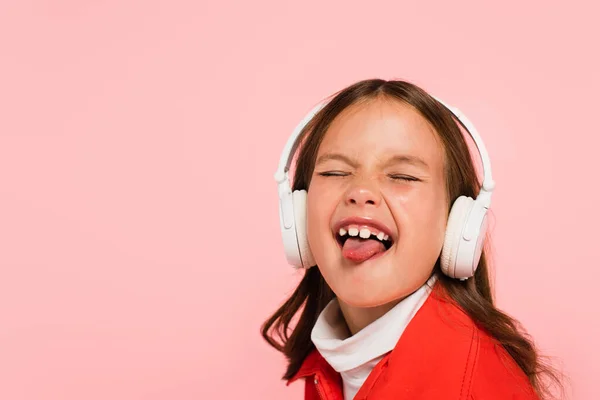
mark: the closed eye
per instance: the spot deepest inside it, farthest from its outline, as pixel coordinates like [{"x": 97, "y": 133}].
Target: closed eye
[
  {"x": 333, "y": 173},
  {"x": 394, "y": 177},
  {"x": 404, "y": 178}
]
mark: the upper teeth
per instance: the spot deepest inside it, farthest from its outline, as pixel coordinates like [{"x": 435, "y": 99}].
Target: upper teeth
[{"x": 364, "y": 233}]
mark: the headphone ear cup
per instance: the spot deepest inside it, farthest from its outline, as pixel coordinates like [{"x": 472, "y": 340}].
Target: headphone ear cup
[
  {"x": 457, "y": 221},
  {"x": 300, "y": 222},
  {"x": 288, "y": 229}
]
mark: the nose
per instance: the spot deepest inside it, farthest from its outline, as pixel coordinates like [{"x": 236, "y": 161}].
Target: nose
[{"x": 363, "y": 195}]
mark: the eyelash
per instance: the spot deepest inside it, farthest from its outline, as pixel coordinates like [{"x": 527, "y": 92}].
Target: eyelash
[{"x": 394, "y": 177}]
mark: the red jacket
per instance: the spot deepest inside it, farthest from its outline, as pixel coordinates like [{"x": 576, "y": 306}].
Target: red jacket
[{"x": 441, "y": 355}]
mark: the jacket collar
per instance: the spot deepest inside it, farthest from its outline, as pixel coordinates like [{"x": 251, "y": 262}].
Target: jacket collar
[{"x": 432, "y": 316}]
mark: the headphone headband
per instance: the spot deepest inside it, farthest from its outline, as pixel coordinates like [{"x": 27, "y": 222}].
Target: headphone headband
[
  {"x": 281, "y": 176},
  {"x": 488, "y": 184},
  {"x": 290, "y": 147}
]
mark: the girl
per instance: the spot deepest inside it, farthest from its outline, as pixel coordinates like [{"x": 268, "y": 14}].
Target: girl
[{"x": 395, "y": 302}]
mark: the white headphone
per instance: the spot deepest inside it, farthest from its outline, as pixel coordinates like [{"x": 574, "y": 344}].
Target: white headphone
[{"x": 465, "y": 230}]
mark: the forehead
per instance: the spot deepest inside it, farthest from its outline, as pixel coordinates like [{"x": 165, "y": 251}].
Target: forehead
[{"x": 383, "y": 128}]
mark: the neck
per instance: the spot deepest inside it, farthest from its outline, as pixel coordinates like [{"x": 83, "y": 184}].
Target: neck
[{"x": 358, "y": 318}]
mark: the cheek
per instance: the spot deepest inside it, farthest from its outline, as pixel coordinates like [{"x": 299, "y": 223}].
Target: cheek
[
  {"x": 312, "y": 217},
  {"x": 322, "y": 202},
  {"x": 422, "y": 218},
  {"x": 320, "y": 207}
]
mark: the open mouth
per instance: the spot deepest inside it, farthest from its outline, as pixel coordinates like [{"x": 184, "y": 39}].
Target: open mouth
[{"x": 363, "y": 235}]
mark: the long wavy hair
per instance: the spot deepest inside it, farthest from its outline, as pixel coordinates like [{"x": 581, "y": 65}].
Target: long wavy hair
[{"x": 474, "y": 295}]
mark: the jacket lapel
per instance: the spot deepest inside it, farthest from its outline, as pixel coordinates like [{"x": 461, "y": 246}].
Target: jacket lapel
[{"x": 434, "y": 358}]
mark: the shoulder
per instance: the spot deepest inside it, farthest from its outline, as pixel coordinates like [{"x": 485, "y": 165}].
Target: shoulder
[
  {"x": 455, "y": 353},
  {"x": 490, "y": 371},
  {"x": 496, "y": 372}
]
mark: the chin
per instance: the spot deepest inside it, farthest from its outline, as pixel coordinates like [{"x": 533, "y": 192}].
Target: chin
[
  {"x": 361, "y": 289},
  {"x": 371, "y": 283},
  {"x": 371, "y": 295},
  {"x": 374, "y": 283}
]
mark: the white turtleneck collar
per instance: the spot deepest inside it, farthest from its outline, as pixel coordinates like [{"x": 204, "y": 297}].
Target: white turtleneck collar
[{"x": 355, "y": 357}]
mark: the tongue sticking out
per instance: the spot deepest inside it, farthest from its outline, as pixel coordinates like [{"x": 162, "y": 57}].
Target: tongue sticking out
[{"x": 359, "y": 250}]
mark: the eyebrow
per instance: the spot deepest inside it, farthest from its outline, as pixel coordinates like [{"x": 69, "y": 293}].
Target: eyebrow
[
  {"x": 397, "y": 159},
  {"x": 405, "y": 159},
  {"x": 336, "y": 156}
]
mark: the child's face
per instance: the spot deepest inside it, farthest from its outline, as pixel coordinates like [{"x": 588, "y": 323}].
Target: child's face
[{"x": 368, "y": 184}]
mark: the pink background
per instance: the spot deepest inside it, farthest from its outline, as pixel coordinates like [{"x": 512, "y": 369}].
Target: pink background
[{"x": 139, "y": 240}]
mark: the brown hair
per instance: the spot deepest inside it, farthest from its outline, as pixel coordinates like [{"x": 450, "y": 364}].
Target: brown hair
[{"x": 474, "y": 295}]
